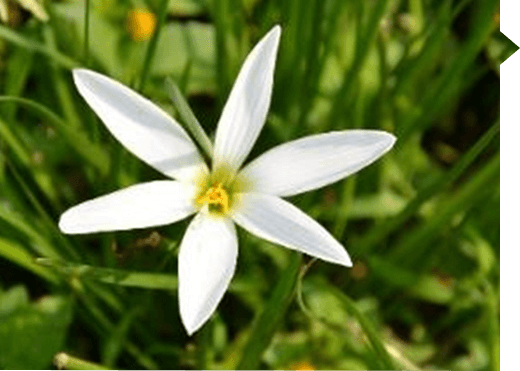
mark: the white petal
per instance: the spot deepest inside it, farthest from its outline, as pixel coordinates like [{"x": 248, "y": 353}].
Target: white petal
[
  {"x": 207, "y": 260},
  {"x": 247, "y": 105},
  {"x": 315, "y": 161},
  {"x": 139, "y": 206},
  {"x": 142, "y": 127},
  {"x": 271, "y": 218}
]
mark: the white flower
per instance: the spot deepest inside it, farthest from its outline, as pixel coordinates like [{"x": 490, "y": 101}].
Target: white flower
[{"x": 225, "y": 194}]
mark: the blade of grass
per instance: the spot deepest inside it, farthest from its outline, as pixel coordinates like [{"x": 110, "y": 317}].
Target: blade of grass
[
  {"x": 51, "y": 225},
  {"x": 340, "y": 329},
  {"x": 119, "y": 277},
  {"x": 94, "y": 154},
  {"x": 115, "y": 342},
  {"x": 364, "y": 42},
  {"x": 86, "y": 33},
  {"x": 60, "y": 85},
  {"x": 266, "y": 324},
  {"x": 372, "y": 334},
  {"x": 104, "y": 327},
  {"x": 493, "y": 326},
  {"x": 15, "y": 144},
  {"x": 312, "y": 68},
  {"x": 38, "y": 173},
  {"x": 203, "y": 339},
  {"x": 346, "y": 200},
  {"x": 15, "y": 253},
  {"x": 379, "y": 233},
  {"x": 38, "y": 242},
  {"x": 152, "y": 45},
  {"x": 222, "y": 31},
  {"x": 65, "y": 361},
  {"x": 432, "y": 46},
  {"x": 17, "y": 73},
  {"x": 478, "y": 186},
  {"x": 32, "y": 45},
  {"x": 441, "y": 93},
  {"x": 188, "y": 118}
]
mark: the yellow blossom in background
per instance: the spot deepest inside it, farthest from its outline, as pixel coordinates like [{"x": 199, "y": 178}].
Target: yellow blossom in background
[
  {"x": 141, "y": 24},
  {"x": 302, "y": 365}
]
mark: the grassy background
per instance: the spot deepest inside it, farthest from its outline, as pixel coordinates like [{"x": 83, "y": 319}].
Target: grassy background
[{"x": 422, "y": 224}]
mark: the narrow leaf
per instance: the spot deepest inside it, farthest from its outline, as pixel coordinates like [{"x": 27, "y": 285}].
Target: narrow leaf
[
  {"x": 267, "y": 323},
  {"x": 188, "y": 118}
]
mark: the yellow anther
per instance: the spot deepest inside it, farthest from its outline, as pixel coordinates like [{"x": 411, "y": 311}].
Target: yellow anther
[{"x": 215, "y": 195}]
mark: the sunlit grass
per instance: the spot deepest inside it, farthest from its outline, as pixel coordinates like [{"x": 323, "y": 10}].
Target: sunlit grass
[{"x": 422, "y": 225}]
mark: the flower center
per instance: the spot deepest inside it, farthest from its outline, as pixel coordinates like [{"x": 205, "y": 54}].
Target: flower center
[{"x": 216, "y": 197}]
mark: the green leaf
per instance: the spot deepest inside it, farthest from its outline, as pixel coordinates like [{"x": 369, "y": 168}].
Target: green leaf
[{"x": 31, "y": 333}]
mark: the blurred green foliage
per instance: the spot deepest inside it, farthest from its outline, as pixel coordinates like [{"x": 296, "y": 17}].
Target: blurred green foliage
[
  {"x": 23, "y": 323},
  {"x": 422, "y": 224}
]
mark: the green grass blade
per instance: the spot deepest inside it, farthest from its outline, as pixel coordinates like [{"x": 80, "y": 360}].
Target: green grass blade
[
  {"x": 442, "y": 182},
  {"x": 363, "y": 43},
  {"x": 372, "y": 334},
  {"x": 446, "y": 88},
  {"x": 94, "y": 154},
  {"x": 60, "y": 84},
  {"x": 15, "y": 144},
  {"x": 150, "y": 51},
  {"x": 115, "y": 342},
  {"x": 64, "y": 361},
  {"x": 14, "y": 38},
  {"x": 47, "y": 219},
  {"x": 188, "y": 118},
  {"x": 265, "y": 326},
  {"x": 40, "y": 244},
  {"x": 15, "y": 253},
  {"x": 86, "y": 33},
  {"x": 474, "y": 189},
  {"x": 492, "y": 314},
  {"x": 119, "y": 277}
]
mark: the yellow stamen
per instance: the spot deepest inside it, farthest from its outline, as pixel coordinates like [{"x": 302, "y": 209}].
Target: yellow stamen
[{"x": 215, "y": 195}]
